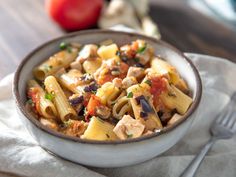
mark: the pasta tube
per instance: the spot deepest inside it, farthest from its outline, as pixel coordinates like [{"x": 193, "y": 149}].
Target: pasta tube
[
  {"x": 121, "y": 107},
  {"x": 99, "y": 130},
  {"x": 108, "y": 93},
  {"x": 152, "y": 120},
  {"x": 71, "y": 80},
  {"x": 162, "y": 67},
  {"x": 91, "y": 66},
  {"x": 47, "y": 108},
  {"x": 108, "y": 52},
  {"x": 176, "y": 99},
  {"x": 54, "y": 63},
  {"x": 63, "y": 107}
]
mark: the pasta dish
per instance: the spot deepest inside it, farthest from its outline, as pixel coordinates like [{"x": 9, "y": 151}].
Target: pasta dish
[{"x": 107, "y": 92}]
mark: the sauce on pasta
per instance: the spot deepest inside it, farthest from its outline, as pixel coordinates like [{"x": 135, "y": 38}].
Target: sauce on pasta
[{"x": 107, "y": 92}]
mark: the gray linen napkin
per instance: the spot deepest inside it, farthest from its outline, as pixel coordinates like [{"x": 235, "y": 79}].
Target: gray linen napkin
[{"x": 20, "y": 155}]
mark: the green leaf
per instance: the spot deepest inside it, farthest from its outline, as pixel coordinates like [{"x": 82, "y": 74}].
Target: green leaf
[
  {"x": 49, "y": 96},
  {"x": 129, "y": 135},
  {"x": 130, "y": 95},
  {"x": 136, "y": 60},
  {"x": 118, "y": 53},
  {"x": 63, "y": 45},
  {"x": 47, "y": 67},
  {"x": 69, "y": 49},
  {"x": 142, "y": 49},
  {"x": 148, "y": 82},
  {"x": 30, "y": 102}
]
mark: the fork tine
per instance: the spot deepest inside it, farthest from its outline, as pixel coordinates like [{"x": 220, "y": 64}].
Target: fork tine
[
  {"x": 231, "y": 121},
  {"x": 233, "y": 127},
  {"x": 233, "y": 97},
  {"x": 224, "y": 116}
]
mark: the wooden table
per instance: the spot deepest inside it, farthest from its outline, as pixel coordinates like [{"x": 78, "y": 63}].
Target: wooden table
[{"x": 25, "y": 25}]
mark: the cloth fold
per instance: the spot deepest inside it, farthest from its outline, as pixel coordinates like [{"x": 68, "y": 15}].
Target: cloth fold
[{"x": 20, "y": 155}]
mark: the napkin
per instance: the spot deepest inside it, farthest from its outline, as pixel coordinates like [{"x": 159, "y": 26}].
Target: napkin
[{"x": 20, "y": 155}]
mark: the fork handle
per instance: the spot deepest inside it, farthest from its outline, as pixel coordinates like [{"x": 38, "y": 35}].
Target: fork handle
[{"x": 191, "y": 170}]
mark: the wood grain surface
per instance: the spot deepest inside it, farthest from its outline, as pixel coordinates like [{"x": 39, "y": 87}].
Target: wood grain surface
[{"x": 24, "y": 25}]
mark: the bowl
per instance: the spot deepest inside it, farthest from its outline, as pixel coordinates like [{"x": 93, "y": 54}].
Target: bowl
[{"x": 106, "y": 153}]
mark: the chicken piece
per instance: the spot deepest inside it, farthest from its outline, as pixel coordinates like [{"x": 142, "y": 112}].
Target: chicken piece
[
  {"x": 149, "y": 132},
  {"x": 103, "y": 112},
  {"x": 49, "y": 123},
  {"x": 129, "y": 81},
  {"x": 144, "y": 53},
  {"x": 75, "y": 128},
  {"x": 117, "y": 82},
  {"x": 176, "y": 117},
  {"x": 128, "y": 127},
  {"x": 136, "y": 72},
  {"x": 76, "y": 65},
  {"x": 89, "y": 51}
]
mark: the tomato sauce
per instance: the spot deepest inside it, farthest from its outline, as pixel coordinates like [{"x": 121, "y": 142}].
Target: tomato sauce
[{"x": 158, "y": 85}]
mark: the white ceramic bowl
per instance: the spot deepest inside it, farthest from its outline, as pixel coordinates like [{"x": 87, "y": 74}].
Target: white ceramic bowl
[{"x": 102, "y": 153}]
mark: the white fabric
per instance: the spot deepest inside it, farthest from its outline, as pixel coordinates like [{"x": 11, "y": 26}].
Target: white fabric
[{"x": 20, "y": 155}]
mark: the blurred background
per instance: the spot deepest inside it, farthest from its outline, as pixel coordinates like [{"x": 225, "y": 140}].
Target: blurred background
[{"x": 199, "y": 26}]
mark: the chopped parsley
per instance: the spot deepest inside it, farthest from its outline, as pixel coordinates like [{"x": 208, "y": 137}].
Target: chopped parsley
[
  {"x": 130, "y": 95},
  {"x": 68, "y": 123},
  {"x": 69, "y": 49},
  {"x": 49, "y": 96},
  {"x": 66, "y": 46},
  {"x": 129, "y": 135},
  {"x": 118, "y": 53},
  {"x": 148, "y": 82},
  {"x": 30, "y": 102},
  {"x": 136, "y": 60},
  {"x": 63, "y": 45},
  {"x": 142, "y": 49},
  {"x": 47, "y": 67}
]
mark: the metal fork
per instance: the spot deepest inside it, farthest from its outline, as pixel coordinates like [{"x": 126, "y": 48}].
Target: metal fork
[{"x": 224, "y": 127}]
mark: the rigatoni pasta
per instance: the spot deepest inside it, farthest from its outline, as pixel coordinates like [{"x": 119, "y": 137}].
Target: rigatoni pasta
[
  {"x": 54, "y": 63},
  {"x": 107, "y": 92},
  {"x": 65, "y": 110}
]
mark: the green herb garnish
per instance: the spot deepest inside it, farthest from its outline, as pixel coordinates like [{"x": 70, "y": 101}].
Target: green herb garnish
[
  {"x": 142, "y": 49},
  {"x": 148, "y": 82},
  {"x": 30, "y": 102},
  {"x": 47, "y": 67},
  {"x": 130, "y": 95},
  {"x": 68, "y": 123},
  {"x": 129, "y": 135},
  {"x": 49, "y": 96},
  {"x": 118, "y": 53},
  {"x": 136, "y": 60},
  {"x": 66, "y": 46},
  {"x": 69, "y": 49},
  {"x": 63, "y": 45}
]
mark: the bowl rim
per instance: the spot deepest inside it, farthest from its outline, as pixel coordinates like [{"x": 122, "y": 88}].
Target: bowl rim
[{"x": 35, "y": 122}]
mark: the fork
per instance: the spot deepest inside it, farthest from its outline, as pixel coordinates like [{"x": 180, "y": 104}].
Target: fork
[{"x": 224, "y": 127}]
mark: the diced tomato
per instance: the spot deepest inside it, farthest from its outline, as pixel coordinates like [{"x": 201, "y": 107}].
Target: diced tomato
[
  {"x": 124, "y": 69},
  {"x": 134, "y": 46},
  {"x": 93, "y": 103},
  {"x": 33, "y": 93},
  {"x": 158, "y": 85},
  {"x": 87, "y": 96},
  {"x": 105, "y": 78},
  {"x": 108, "y": 77}
]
